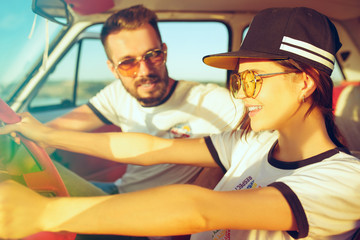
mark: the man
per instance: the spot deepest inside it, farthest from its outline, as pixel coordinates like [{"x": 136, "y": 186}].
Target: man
[{"x": 147, "y": 100}]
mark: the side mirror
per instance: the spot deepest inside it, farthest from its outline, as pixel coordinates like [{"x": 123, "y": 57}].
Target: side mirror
[{"x": 54, "y": 10}]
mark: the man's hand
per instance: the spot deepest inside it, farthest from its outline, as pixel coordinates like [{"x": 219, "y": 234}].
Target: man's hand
[
  {"x": 21, "y": 210},
  {"x": 30, "y": 128}
]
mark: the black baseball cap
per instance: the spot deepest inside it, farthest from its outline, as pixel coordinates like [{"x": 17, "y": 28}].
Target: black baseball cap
[{"x": 300, "y": 33}]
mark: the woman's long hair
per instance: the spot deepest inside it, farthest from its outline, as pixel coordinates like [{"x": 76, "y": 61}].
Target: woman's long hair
[{"x": 322, "y": 98}]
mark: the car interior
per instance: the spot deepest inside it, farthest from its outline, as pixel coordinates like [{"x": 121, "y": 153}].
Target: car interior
[{"x": 62, "y": 75}]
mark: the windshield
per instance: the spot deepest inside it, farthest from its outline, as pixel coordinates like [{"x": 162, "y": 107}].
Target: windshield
[{"x": 22, "y": 43}]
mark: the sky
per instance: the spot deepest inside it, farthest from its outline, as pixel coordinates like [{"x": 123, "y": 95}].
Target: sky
[
  {"x": 16, "y": 48},
  {"x": 15, "y": 26}
]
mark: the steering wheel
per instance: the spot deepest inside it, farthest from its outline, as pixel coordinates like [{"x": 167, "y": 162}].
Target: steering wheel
[{"x": 39, "y": 173}]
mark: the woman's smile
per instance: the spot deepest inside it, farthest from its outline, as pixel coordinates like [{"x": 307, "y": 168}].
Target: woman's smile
[{"x": 254, "y": 109}]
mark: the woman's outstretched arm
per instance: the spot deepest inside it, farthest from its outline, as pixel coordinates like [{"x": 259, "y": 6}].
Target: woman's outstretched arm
[
  {"x": 167, "y": 210},
  {"x": 133, "y": 148}
]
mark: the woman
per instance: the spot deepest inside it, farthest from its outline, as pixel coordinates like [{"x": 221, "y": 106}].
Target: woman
[{"x": 288, "y": 174}]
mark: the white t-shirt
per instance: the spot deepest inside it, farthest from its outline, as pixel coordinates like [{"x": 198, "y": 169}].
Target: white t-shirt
[
  {"x": 192, "y": 110},
  {"x": 323, "y": 191}
]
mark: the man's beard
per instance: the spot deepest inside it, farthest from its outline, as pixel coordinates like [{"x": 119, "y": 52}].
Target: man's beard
[
  {"x": 154, "y": 101},
  {"x": 161, "y": 93}
]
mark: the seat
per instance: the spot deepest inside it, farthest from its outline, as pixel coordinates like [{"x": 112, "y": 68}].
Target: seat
[
  {"x": 35, "y": 170},
  {"x": 347, "y": 112},
  {"x": 346, "y": 99}
]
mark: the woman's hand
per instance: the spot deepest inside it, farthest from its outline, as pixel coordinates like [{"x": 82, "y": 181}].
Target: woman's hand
[
  {"x": 21, "y": 210},
  {"x": 28, "y": 127}
]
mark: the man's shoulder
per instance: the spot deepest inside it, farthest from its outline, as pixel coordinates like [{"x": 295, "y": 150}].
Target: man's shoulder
[{"x": 208, "y": 95}]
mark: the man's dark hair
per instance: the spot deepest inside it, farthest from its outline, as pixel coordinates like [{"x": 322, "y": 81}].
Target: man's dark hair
[{"x": 128, "y": 19}]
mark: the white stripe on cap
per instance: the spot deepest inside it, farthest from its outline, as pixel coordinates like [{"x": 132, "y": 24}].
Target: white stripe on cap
[{"x": 326, "y": 58}]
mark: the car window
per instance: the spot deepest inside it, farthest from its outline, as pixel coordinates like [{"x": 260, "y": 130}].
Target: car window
[
  {"x": 82, "y": 72},
  {"x": 59, "y": 86},
  {"x": 188, "y": 43},
  {"x": 93, "y": 75}
]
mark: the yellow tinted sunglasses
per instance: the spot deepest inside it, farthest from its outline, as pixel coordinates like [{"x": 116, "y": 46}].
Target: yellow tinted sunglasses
[{"x": 250, "y": 82}]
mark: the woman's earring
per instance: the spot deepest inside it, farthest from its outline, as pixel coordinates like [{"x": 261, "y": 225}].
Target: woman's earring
[{"x": 303, "y": 98}]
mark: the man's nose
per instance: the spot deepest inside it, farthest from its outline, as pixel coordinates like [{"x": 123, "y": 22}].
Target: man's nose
[{"x": 145, "y": 68}]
